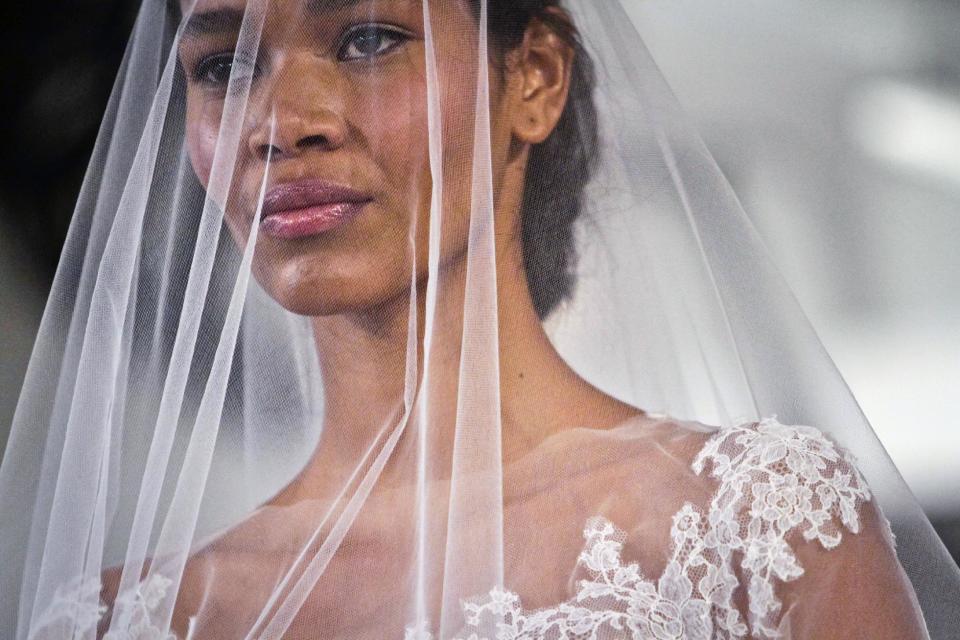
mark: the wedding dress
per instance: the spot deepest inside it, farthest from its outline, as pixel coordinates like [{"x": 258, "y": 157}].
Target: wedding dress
[
  {"x": 434, "y": 319},
  {"x": 800, "y": 480}
]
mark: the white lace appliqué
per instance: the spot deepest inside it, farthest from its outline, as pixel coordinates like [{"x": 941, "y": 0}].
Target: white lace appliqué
[
  {"x": 77, "y": 610},
  {"x": 75, "y": 605},
  {"x": 774, "y": 480}
]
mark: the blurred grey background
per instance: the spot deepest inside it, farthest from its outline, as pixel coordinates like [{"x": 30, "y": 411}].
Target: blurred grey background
[{"x": 837, "y": 121}]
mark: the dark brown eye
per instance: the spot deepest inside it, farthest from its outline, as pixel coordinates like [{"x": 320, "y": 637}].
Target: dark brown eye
[
  {"x": 216, "y": 69},
  {"x": 368, "y": 41}
]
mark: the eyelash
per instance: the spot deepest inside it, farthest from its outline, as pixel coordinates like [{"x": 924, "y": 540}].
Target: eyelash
[
  {"x": 216, "y": 69},
  {"x": 378, "y": 30}
]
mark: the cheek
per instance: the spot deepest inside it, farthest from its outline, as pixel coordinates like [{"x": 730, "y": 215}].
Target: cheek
[
  {"x": 459, "y": 122},
  {"x": 394, "y": 124},
  {"x": 203, "y": 123},
  {"x": 391, "y": 133}
]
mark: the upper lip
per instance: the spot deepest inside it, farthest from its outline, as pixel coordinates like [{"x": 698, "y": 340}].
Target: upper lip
[{"x": 303, "y": 194}]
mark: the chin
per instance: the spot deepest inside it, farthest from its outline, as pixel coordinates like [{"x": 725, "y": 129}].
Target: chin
[{"x": 310, "y": 286}]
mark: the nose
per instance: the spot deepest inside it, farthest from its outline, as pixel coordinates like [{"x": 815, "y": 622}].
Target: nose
[{"x": 303, "y": 111}]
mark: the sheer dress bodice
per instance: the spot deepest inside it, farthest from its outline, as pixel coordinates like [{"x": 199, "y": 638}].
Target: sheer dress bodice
[{"x": 684, "y": 531}]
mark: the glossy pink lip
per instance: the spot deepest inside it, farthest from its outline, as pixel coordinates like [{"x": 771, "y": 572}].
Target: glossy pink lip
[{"x": 308, "y": 208}]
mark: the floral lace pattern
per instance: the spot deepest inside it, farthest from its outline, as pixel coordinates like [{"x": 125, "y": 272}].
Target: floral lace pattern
[
  {"x": 75, "y": 605},
  {"x": 77, "y": 610},
  {"x": 774, "y": 480},
  {"x": 135, "y": 608}
]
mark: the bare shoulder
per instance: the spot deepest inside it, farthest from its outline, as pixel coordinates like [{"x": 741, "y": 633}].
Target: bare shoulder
[
  {"x": 227, "y": 574},
  {"x": 637, "y": 475},
  {"x": 647, "y": 455},
  {"x": 856, "y": 589}
]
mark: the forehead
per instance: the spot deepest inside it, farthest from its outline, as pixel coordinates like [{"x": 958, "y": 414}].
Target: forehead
[
  {"x": 318, "y": 6},
  {"x": 224, "y": 17}
]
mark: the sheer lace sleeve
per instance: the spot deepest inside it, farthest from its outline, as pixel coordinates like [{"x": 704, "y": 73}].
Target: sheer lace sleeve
[{"x": 792, "y": 504}]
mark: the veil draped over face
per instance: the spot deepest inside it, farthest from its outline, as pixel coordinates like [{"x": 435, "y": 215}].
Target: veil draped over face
[{"x": 286, "y": 386}]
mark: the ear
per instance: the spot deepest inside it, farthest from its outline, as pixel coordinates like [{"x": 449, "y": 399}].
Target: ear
[{"x": 542, "y": 71}]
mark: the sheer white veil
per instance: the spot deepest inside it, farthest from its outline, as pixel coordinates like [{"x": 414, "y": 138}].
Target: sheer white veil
[{"x": 175, "y": 390}]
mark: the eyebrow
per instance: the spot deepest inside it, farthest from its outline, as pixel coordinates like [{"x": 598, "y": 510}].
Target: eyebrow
[
  {"x": 213, "y": 22},
  {"x": 319, "y": 6},
  {"x": 229, "y": 20}
]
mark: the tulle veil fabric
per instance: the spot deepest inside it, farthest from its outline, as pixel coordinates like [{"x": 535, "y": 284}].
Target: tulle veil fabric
[{"x": 170, "y": 397}]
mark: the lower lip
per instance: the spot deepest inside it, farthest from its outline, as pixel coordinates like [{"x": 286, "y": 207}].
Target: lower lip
[{"x": 312, "y": 221}]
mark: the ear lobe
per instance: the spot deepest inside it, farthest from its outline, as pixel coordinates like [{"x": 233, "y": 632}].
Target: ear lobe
[{"x": 544, "y": 65}]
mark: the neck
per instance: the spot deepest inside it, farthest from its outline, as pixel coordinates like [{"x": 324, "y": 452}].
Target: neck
[{"x": 365, "y": 362}]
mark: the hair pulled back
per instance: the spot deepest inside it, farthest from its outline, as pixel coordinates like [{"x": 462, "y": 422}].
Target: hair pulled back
[{"x": 560, "y": 167}]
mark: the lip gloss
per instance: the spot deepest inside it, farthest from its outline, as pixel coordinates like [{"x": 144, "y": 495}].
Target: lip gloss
[
  {"x": 311, "y": 221},
  {"x": 308, "y": 208}
]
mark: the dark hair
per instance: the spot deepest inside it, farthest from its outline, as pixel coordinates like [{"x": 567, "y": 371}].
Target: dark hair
[{"x": 559, "y": 167}]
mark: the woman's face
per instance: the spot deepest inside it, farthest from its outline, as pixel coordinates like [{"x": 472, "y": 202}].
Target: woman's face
[{"x": 335, "y": 133}]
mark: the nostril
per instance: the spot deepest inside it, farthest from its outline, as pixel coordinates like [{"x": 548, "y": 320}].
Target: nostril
[
  {"x": 313, "y": 141},
  {"x": 266, "y": 151}
]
